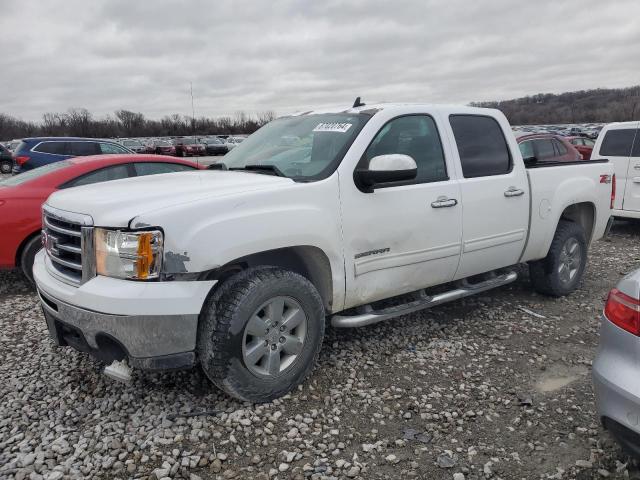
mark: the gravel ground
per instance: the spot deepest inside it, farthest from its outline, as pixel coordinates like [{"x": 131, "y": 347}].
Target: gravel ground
[{"x": 479, "y": 388}]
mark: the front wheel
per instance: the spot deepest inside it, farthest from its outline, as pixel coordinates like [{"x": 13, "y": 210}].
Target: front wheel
[
  {"x": 561, "y": 271},
  {"x": 28, "y": 256},
  {"x": 260, "y": 333}
]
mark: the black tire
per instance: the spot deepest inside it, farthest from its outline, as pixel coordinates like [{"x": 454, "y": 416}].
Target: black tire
[
  {"x": 221, "y": 332},
  {"x": 544, "y": 274},
  {"x": 27, "y": 257},
  {"x": 6, "y": 166}
]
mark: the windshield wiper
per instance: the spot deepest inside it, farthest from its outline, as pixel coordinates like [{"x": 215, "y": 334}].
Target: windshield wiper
[{"x": 268, "y": 169}]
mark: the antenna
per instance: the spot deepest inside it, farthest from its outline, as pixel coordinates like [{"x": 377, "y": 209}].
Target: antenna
[
  {"x": 358, "y": 103},
  {"x": 193, "y": 111}
]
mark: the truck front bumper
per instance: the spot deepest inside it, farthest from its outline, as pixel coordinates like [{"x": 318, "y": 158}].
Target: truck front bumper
[{"x": 152, "y": 324}]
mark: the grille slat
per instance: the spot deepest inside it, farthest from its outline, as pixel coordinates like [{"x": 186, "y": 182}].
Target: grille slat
[{"x": 63, "y": 239}]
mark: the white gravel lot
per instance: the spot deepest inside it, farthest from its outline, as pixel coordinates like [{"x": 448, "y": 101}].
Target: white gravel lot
[{"x": 476, "y": 389}]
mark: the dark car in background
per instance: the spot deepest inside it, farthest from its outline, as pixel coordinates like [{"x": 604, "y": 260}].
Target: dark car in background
[
  {"x": 6, "y": 160},
  {"x": 39, "y": 151},
  {"x": 546, "y": 148},
  {"x": 584, "y": 145},
  {"x": 188, "y": 147},
  {"x": 214, "y": 146}
]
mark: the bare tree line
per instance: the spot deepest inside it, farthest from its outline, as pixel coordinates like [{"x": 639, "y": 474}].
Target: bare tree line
[
  {"x": 79, "y": 122},
  {"x": 584, "y": 106}
]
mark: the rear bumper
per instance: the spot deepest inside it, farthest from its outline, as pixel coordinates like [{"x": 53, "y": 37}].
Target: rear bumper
[
  {"x": 616, "y": 385},
  {"x": 152, "y": 324}
]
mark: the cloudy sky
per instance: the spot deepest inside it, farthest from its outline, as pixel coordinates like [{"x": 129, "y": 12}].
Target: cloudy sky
[{"x": 284, "y": 56}]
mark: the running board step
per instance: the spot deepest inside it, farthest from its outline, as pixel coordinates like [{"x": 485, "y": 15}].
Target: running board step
[{"x": 465, "y": 289}]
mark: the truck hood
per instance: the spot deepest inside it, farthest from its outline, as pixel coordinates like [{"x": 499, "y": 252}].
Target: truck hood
[{"x": 115, "y": 203}]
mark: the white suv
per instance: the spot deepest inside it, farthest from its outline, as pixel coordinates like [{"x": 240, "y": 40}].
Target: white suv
[{"x": 620, "y": 143}]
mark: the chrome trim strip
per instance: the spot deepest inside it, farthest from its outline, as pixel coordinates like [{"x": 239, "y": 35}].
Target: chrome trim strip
[
  {"x": 66, "y": 216},
  {"x": 66, "y": 263},
  {"x": 88, "y": 254},
  {"x": 72, "y": 233},
  {"x": 69, "y": 248}
]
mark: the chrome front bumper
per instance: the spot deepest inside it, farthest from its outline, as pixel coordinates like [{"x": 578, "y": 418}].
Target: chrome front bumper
[{"x": 148, "y": 342}]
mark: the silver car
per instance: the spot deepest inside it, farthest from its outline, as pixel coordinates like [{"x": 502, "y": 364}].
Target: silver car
[{"x": 616, "y": 369}]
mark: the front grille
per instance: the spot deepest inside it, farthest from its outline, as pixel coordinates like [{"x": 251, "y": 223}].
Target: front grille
[{"x": 68, "y": 239}]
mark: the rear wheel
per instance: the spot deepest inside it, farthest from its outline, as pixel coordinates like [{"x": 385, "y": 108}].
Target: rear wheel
[
  {"x": 28, "y": 256},
  {"x": 260, "y": 333},
  {"x": 561, "y": 271}
]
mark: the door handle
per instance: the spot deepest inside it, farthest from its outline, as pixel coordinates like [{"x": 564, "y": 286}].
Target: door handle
[
  {"x": 637, "y": 167},
  {"x": 513, "y": 192},
  {"x": 636, "y": 179},
  {"x": 444, "y": 202}
]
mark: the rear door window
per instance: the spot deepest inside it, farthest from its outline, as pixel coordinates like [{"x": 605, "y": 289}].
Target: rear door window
[
  {"x": 154, "y": 168},
  {"x": 82, "y": 149},
  {"x": 55, "y": 148},
  {"x": 618, "y": 143},
  {"x": 636, "y": 146},
  {"x": 544, "y": 149},
  {"x": 115, "y": 172},
  {"x": 481, "y": 144},
  {"x": 112, "y": 148},
  {"x": 560, "y": 148}
]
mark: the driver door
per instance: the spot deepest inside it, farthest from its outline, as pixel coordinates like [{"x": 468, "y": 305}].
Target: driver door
[{"x": 403, "y": 236}]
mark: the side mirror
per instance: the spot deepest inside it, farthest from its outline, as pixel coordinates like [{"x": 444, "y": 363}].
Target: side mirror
[
  {"x": 386, "y": 169},
  {"x": 532, "y": 160}
]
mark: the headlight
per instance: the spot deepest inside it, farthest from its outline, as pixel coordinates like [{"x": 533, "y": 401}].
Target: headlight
[{"x": 131, "y": 255}]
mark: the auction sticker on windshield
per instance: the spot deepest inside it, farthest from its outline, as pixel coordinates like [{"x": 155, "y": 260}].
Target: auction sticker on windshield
[{"x": 333, "y": 127}]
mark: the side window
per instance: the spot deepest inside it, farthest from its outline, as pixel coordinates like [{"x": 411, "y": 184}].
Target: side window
[
  {"x": 416, "y": 136},
  {"x": 82, "y": 149},
  {"x": 56, "y": 148},
  {"x": 116, "y": 172},
  {"x": 481, "y": 144},
  {"x": 588, "y": 142},
  {"x": 112, "y": 148},
  {"x": 636, "y": 145},
  {"x": 617, "y": 143},
  {"x": 544, "y": 149},
  {"x": 560, "y": 148},
  {"x": 526, "y": 148},
  {"x": 153, "y": 168}
]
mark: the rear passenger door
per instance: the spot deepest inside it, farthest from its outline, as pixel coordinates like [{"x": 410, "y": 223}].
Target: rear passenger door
[
  {"x": 616, "y": 146},
  {"x": 632, "y": 192},
  {"x": 495, "y": 195}
]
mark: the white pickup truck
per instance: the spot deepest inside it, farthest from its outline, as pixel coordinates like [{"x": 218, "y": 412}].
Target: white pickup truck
[{"x": 319, "y": 215}]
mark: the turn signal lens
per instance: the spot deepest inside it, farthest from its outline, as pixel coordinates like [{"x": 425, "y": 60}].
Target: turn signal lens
[
  {"x": 130, "y": 255},
  {"x": 623, "y": 311}
]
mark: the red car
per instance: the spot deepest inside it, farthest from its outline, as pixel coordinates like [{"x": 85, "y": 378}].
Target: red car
[
  {"x": 188, "y": 147},
  {"x": 164, "y": 147},
  {"x": 544, "y": 147},
  {"x": 583, "y": 145},
  {"x": 22, "y": 196}
]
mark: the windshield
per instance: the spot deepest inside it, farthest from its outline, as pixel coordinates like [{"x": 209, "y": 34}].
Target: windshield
[
  {"x": 306, "y": 147},
  {"x": 33, "y": 174}
]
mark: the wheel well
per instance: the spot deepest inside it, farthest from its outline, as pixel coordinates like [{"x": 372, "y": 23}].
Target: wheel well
[
  {"x": 308, "y": 261},
  {"x": 24, "y": 244},
  {"x": 584, "y": 215}
]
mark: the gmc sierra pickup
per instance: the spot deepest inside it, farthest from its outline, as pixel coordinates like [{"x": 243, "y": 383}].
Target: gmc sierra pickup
[{"x": 353, "y": 215}]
